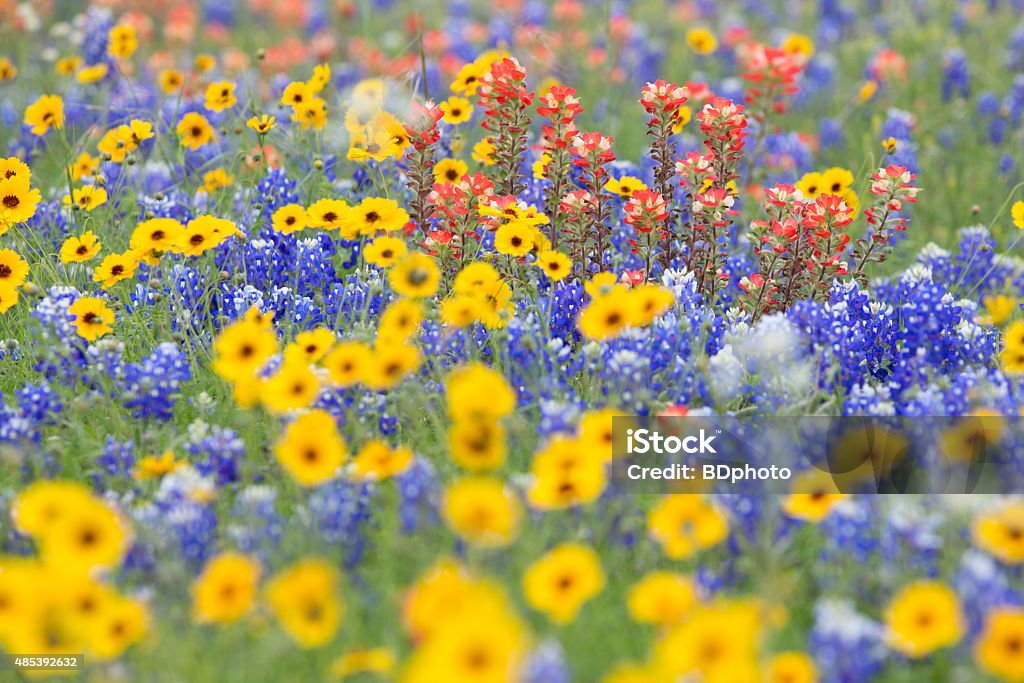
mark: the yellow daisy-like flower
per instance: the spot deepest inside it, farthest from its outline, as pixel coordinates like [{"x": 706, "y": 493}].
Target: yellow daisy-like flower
[
  {"x": 836, "y": 181},
  {"x": 194, "y": 130},
  {"x": 171, "y": 81},
  {"x": 462, "y": 310},
  {"x": 83, "y": 166},
  {"x": 305, "y": 601},
  {"x": 310, "y": 346},
  {"x": 122, "y": 41},
  {"x": 116, "y": 143},
  {"x": 115, "y": 268},
  {"x": 156, "y": 466},
  {"x": 242, "y": 348},
  {"x": 456, "y": 110},
  {"x": 8, "y": 297},
  {"x": 867, "y": 90},
  {"x": 92, "y": 536},
  {"x": 399, "y": 321},
  {"x": 81, "y": 248},
  {"x": 792, "y": 667},
  {"x": 66, "y": 66},
  {"x": 321, "y": 77},
  {"x": 45, "y": 113},
  {"x": 923, "y": 617},
  {"x": 348, "y": 362},
  {"x": 450, "y": 170},
  {"x": 555, "y": 264},
  {"x": 999, "y": 309},
  {"x": 156, "y": 235},
  {"x": 261, "y": 124},
  {"x": 204, "y": 62},
  {"x": 327, "y": 214},
  {"x": 13, "y": 168},
  {"x": 559, "y": 583},
  {"x": 92, "y": 74},
  {"x": 661, "y": 598},
  {"x": 311, "y": 450},
  {"x": 1012, "y": 355},
  {"x": 798, "y": 43},
  {"x": 8, "y": 72},
  {"x": 624, "y": 186},
  {"x": 998, "y": 648},
  {"x": 684, "y": 524},
  {"x": 384, "y": 251},
  {"x": 312, "y": 114},
  {"x": 811, "y": 185},
  {"x": 373, "y": 215},
  {"x": 701, "y": 41},
  {"x": 87, "y": 197},
  {"x": 296, "y": 94},
  {"x": 415, "y": 275},
  {"x": 483, "y": 152},
  {"x": 378, "y": 461},
  {"x": 483, "y": 511},
  {"x": 683, "y": 116},
  {"x": 92, "y": 317},
  {"x": 468, "y": 79},
  {"x": 389, "y": 364},
  {"x": 607, "y": 316},
  {"x": 477, "y": 444},
  {"x": 18, "y": 201},
  {"x": 216, "y": 179},
  {"x": 1017, "y": 212},
  {"x": 292, "y": 387},
  {"x": 225, "y": 591},
  {"x": 289, "y": 218},
  {"x": 220, "y": 96},
  {"x": 13, "y": 268},
  {"x": 515, "y": 238}
]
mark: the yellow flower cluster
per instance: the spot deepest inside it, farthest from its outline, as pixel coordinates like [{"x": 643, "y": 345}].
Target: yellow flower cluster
[
  {"x": 615, "y": 307},
  {"x": 60, "y": 601}
]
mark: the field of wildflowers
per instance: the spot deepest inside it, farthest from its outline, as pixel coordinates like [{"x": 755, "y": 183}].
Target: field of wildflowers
[{"x": 315, "y": 316}]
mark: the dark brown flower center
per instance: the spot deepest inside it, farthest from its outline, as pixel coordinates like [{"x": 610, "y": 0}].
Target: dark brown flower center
[{"x": 88, "y": 537}]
